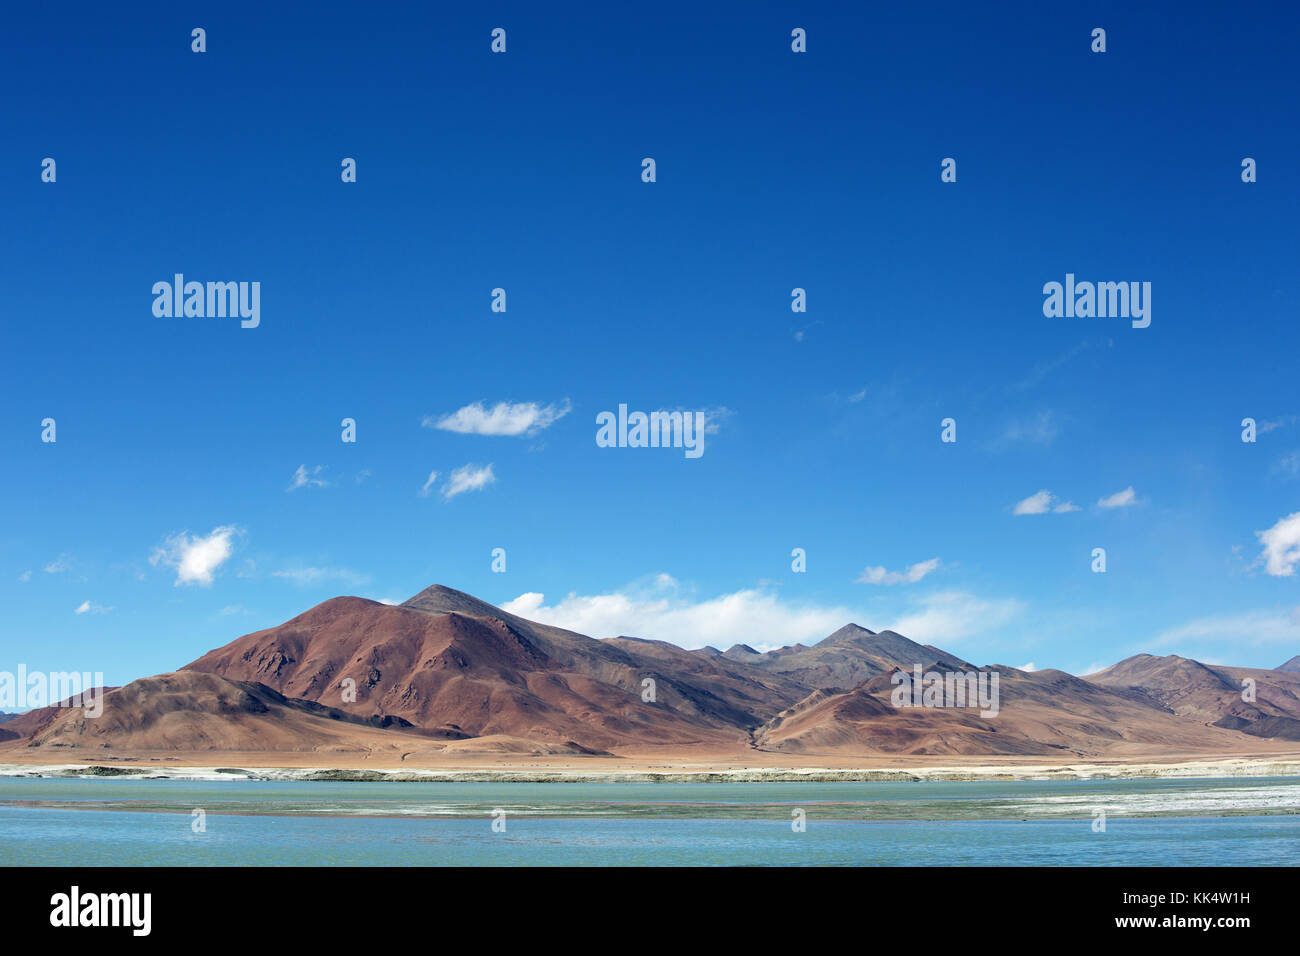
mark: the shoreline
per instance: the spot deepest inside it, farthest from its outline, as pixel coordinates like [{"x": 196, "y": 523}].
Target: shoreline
[{"x": 1080, "y": 771}]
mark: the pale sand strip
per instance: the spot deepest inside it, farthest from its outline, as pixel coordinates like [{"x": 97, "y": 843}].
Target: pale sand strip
[{"x": 1204, "y": 768}]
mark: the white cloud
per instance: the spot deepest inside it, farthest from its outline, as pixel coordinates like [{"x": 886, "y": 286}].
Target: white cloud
[
  {"x": 196, "y": 558},
  {"x": 428, "y": 484},
  {"x": 503, "y": 418},
  {"x": 857, "y": 397},
  {"x": 89, "y": 607},
  {"x": 1250, "y": 628},
  {"x": 659, "y": 612},
  {"x": 1030, "y": 667},
  {"x": 753, "y": 616},
  {"x": 25, "y": 576},
  {"x": 303, "y": 478},
  {"x": 1040, "y": 503},
  {"x": 1281, "y": 546},
  {"x": 309, "y": 577},
  {"x": 1120, "y": 499},
  {"x": 914, "y": 573},
  {"x": 950, "y": 616},
  {"x": 467, "y": 478},
  {"x": 58, "y": 565}
]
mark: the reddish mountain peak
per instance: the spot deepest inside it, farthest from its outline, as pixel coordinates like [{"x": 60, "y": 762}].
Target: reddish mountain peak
[{"x": 437, "y": 599}]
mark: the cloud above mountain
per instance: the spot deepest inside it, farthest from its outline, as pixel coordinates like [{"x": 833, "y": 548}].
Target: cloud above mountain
[
  {"x": 948, "y": 617},
  {"x": 1252, "y": 628},
  {"x": 663, "y": 611},
  {"x": 913, "y": 573},
  {"x": 196, "y": 558},
  {"x": 310, "y": 576}
]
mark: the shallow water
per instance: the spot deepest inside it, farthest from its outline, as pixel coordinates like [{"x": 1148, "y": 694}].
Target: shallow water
[{"x": 1237, "y": 821}]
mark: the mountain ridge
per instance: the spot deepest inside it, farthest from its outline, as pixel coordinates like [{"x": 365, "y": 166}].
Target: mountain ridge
[{"x": 447, "y": 672}]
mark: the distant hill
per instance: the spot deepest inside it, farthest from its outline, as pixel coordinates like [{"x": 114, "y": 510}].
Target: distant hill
[{"x": 1214, "y": 694}]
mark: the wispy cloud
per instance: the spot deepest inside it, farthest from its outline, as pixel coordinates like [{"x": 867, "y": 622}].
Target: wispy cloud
[
  {"x": 914, "y": 573},
  {"x": 1281, "y": 544},
  {"x": 1281, "y": 422},
  {"x": 952, "y": 616},
  {"x": 60, "y": 564},
  {"x": 467, "y": 478},
  {"x": 1043, "y": 502},
  {"x": 1043, "y": 370},
  {"x": 714, "y": 417},
  {"x": 1251, "y": 628},
  {"x": 1288, "y": 465},
  {"x": 1120, "y": 499},
  {"x": 25, "y": 576},
  {"x": 89, "y": 607},
  {"x": 310, "y": 577},
  {"x": 503, "y": 418},
  {"x": 307, "y": 478},
  {"x": 196, "y": 558},
  {"x": 428, "y": 484},
  {"x": 1042, "y": 429}
]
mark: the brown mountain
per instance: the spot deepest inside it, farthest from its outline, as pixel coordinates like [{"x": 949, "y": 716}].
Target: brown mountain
[
  {"x": 846, "y": 658},
  {"x": 447, "y": 662},
  {"x": 1046, "y": 712},
  {"x": 1213, "y": 694},
  {"x": 445, "y": 673},
  {"x": 1291, "y": 666},
  {"x": 193, "y": 711},
  {"x": 190, "y": 712},
  {"x": 712, "y": 690}
]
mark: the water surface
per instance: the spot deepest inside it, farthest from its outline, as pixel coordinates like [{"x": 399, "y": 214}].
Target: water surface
[{"x": 1178, "y": 822}]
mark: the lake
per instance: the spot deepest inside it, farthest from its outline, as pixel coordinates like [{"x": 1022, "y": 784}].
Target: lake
[{"x": 1165, "y": 822}]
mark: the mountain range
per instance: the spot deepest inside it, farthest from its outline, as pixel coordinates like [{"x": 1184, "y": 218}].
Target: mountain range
[{"x": 446, "y": 675}]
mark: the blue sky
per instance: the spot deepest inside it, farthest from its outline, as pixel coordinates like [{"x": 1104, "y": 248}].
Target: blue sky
[{"x": 166, "y": 512}]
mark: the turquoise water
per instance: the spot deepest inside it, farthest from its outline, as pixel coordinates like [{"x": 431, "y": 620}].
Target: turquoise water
[{"x": 1148, "y": 822}]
